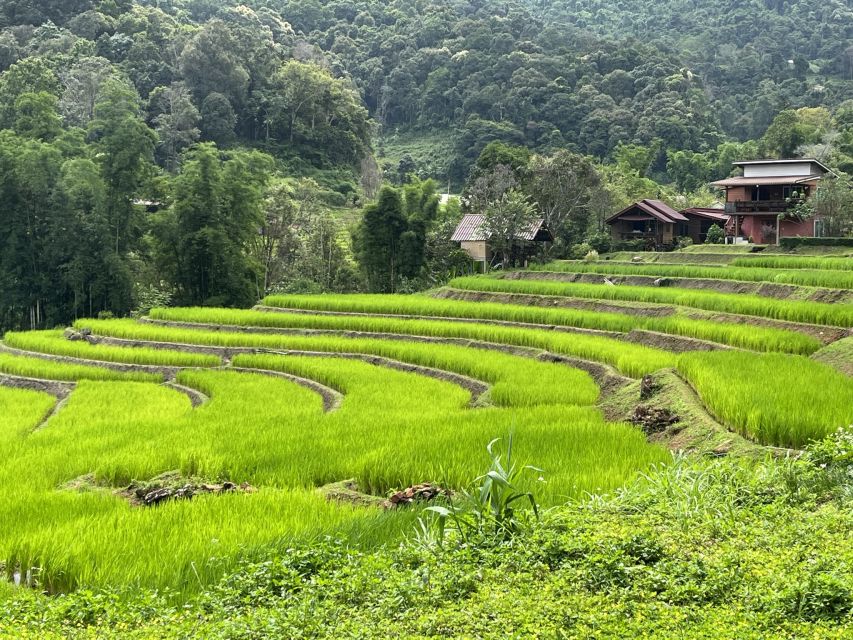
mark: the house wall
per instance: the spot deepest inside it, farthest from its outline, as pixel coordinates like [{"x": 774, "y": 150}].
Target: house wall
[
  {"x": 477, "y": 250},
  {"x": 739, "y": 194},
  {"x": 792, "y": 228},
  {"x": 778, "y": 169}
]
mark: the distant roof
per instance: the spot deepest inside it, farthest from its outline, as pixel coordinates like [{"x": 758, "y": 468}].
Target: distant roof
[
  {"x": 707, "y": 212},
  {"x": 784, "y": 161},
  {"x": 654, "y": 208},
  {"x": 741, "y": 181},
  {"x": 470, "y": 229}
]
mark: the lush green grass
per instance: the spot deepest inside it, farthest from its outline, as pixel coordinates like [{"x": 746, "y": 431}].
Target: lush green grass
[
  {"x": 802, "y": 277},
  {"x": 394, "y": 429},
  {"x": 28, "y": 367},
  {"x": 757, "y": 338},
  {"x": 840, "y": 315},
  {"x": 54, "y": 343},
  {"x": 772, "y": 398},
  {"x": 796, "y": 262}
]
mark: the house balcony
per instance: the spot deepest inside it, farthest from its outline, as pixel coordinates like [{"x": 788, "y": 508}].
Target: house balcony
[{"x": 760, "y": 206}]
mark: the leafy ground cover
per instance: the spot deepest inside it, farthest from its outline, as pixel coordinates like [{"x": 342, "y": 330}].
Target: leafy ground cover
[{"x": 794, "y": 310}]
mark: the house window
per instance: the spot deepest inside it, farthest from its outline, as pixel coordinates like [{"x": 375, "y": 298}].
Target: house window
[{"x": 819, "y": 229}]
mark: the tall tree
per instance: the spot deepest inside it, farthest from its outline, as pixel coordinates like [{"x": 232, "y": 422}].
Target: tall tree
[
  {"x": 378, "y": 241},
  {"x": 204, "y": 237},
  {"x": 125, "y": 148}
]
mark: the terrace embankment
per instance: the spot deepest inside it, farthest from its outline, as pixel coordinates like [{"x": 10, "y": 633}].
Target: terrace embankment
[
  {"x": 556, "y": 302},
  {"x": 689, "y": 427},
  {"x": 605, "y": 376},
  {"x": 330, "y": 396},
  {"x": 826, "y": 334},
  {"x": 58, "y": 389},
  {"x": 838, "y": 355},
  {"x": 168, "y": 373},
  {"x": 766, "y": 289}
]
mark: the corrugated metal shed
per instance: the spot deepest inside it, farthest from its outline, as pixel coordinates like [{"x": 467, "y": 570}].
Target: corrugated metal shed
[{"x": 470, "y": 229}]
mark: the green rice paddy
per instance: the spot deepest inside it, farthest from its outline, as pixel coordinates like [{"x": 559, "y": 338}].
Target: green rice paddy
[
  {"x": 840, "y": 315},
  {"x": 426, "y": 383},
  {"x": 744, "y": 270}
]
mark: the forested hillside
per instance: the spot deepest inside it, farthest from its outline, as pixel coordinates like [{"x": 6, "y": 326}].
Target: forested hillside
[{"x": 140, "y": 139}]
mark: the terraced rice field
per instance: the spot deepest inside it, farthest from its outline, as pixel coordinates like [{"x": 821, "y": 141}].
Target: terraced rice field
[{"x": 304, "y": 392}]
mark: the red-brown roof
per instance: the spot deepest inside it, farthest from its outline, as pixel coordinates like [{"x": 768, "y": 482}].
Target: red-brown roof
[
  {"x": 470, "y": 229},
  {"x": 654, "y": 208},
  {"x": 740, "y": 181},
  {"x": 706, "y": 212}
]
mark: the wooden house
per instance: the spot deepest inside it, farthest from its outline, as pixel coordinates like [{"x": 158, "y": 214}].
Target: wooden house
[{"x": 759, "y": 200}]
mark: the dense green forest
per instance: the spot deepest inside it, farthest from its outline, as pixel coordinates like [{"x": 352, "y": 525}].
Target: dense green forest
[{"x": 211, "y": 151}]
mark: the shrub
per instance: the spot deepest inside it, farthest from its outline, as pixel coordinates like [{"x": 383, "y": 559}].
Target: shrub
[
  {"x": 715, "y": 235},
  {"x": 792, "y": 243},
  {"x": 592, "y": 256},
  {"x": 578, "y": 251}
]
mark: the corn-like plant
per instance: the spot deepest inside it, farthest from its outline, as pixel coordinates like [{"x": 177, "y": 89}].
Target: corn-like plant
[{"x": 490, "y": 508}]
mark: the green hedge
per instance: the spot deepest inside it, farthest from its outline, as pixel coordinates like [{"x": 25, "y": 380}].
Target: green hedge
[{"x": 791, "y": 243}]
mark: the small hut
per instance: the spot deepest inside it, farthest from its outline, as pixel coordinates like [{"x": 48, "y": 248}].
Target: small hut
[{"x": 472, "y": 238}]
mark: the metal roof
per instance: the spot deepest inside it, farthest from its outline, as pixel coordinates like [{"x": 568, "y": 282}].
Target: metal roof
[
  {"x": 706, "y": 212},
  {"x": 470, "y": 229},
  {"x": 784, "y": 161},
  {"x": 741, "y": 181},
  {"x": 655, "y": 208}
]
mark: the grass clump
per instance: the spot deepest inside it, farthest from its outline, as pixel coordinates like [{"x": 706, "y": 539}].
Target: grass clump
[
  {"x": 775, "y": 399},
  {"x": 840, "y": 315}
]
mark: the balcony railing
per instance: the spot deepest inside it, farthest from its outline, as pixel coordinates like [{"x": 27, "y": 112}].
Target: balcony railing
[{"x": 759, "y": 206}]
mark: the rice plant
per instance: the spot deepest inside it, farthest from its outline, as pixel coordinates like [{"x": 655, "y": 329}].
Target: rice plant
[
  {"x": 630, "y": 358},
  {"x": 394, "y": 429},
  {"x": 515, "y": 381},
  {"x": 756, "y": 338},
  {"x": 840, "y": 315},
  {"x": 53, "y": 342},
  {"x": 746, "y": 273},
  {"x": 31, "y": 367},
  {"x": 796, "y": 262},
  {"x": 773, "y": 398}
]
